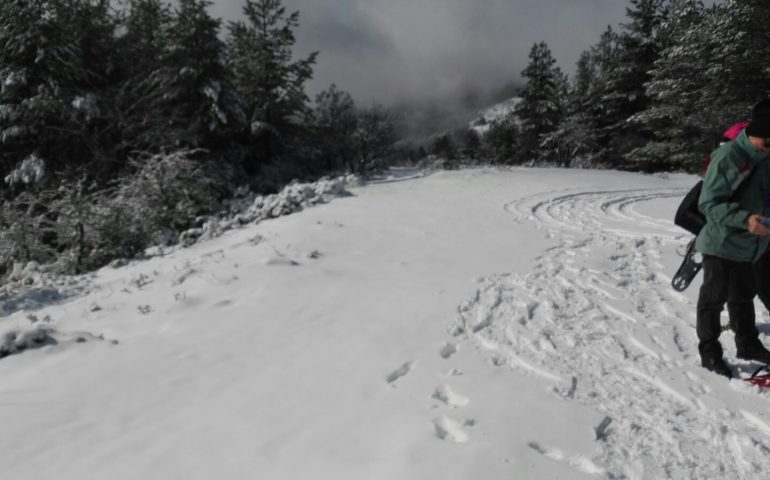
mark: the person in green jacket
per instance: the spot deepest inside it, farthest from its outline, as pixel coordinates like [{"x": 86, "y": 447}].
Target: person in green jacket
[{"x": 735, "y": 200}]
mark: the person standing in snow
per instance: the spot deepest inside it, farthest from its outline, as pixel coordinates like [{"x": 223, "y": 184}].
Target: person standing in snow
[
  {"x": 761, "y": 266},
  {"x": 733, "y": 238}
]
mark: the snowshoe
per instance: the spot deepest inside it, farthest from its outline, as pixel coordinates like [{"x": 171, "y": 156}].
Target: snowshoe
[
  {"x": 687, "y": 270},
  {"x": 762, "y": 381}
]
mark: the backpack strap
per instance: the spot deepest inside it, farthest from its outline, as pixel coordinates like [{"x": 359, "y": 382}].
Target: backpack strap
[{"x": 746, "y": 171}]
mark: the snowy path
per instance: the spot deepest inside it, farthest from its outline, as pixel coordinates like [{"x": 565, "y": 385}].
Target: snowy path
[
  {"x": 472, "y": 324},
  {"x": 610, "y": 333}
]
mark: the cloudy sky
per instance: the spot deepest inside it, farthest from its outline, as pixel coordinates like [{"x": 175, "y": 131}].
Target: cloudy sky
[{"x": 402, "y": 50}]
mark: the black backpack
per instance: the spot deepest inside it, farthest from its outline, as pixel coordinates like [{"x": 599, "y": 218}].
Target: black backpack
[{"x": 687, "y": 215}]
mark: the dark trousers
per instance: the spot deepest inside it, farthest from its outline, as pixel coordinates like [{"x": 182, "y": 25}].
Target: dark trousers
[
  {"x": 723, "y": 279},
  {"x": 762, "y": 278}
]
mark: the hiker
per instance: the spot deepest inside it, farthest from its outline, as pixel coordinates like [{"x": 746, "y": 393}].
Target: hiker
[
  {"x": 762, "y": 266},
  {"x": 689, "y": 217},
  {"x": 732, "y": 239}
]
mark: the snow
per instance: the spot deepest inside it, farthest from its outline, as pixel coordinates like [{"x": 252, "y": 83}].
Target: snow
[
  {"x": 495, "y": 113},
  {"x": 15, "y": 79},
  {"x": 31, "y": 170},
  {"x": 88, "y": 104},
  {"x": 479, "y": 323},
  {"x": 253, "y": 208}
]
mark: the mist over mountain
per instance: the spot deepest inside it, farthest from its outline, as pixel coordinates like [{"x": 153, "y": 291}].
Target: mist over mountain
[{"x": 419, "y": 121}]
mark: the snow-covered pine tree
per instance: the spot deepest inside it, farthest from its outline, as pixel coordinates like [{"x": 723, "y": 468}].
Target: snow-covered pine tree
[
  {"x": 676, "y": 84},
  {"x": 135, "y": 105},
  {"x": 605, "y": 59},
  {"x": 738, "y": 78},
  {"x": 444, "y": 147},
  {"x": 373, "y": 137},
  {"x": 57, "y": 60},
  {"x": 574, "y": 140},
  {"x": 33, "y": 60},
  {"x": 707, "y": 78},
  {"x": 581, "y": 83},
  {"x": 196, "y": 99},
  {"x": 555, "y": 148},
  {"x": 540, "y": 109},
  {"x": 624, "y": 94},
  {"x": 471, "y": 148},
  {"x": 271, "y": 83},
  {"x": 501, "y": 141},
  {"x": 88, "y": 83},
  {"x": 334, "y": 121}
]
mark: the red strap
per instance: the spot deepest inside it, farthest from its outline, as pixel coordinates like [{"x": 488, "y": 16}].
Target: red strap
[{"x": 762, "y": 381}]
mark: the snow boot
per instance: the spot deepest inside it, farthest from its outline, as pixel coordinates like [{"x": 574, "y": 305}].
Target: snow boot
[
  {"x": 756, "y": 352},
  {"x": 717, "y": 365}
]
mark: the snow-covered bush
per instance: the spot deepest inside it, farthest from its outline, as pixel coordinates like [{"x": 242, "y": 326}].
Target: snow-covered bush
[
  {"x": 249, "y": 208},
  {"x": 164, "y": 194},
  {"x": 73, "y": 229},
  {"x": 24, "y": 223},
  {"x": 30, "y": 171}
]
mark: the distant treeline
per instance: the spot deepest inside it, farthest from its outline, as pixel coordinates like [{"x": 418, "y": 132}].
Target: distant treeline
[
  {"x": 652, "y": 95},
  {"x": 122, "y": 120}
]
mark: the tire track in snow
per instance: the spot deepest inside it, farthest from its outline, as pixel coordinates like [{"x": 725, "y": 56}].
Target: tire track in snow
[{"x": 609, "y": 322}]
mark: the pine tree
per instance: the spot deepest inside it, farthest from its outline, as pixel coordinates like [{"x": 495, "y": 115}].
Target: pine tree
[
  {"x": 270, "y": 82},
  {"x": 574, "y": 143},
  {"x": 555, "y": 148},
  {"x": 707, "y": 78},
  {"x": 676, "y": 83},
  {"x": 500, "y": 143},
  {"x": 96, "y": 68},
  {"x": 54, "y": 66},
  {"x": 147, "y": 23},
  {"x": 588, "y": 127},
  {"x": 136, "y": 103},
  {"x": 540, "y": 109},
  {"x": 373, "y": 137},
  {"x": 334, "y": 121},
  {"x": 196, "y": 100},
  {"x": 472, "y": 145},
  {"x": 625, "y": 94},
  {"x": 443, "y": 147},
  {"x": 738, "y": 76},
  {"x": 584, "y": 78}
]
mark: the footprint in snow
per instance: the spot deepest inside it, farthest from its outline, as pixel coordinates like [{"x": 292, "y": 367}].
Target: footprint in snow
[
  {"x": 184, "y": 276},
  {"x": 451, "y": 429},
  {"x": 578, "y": 462},
  {"x": 445, "y": 394},
  {"x": 400, "y": 372},
  {"x": 448, "y": 349},
  {"x": 281, "y": 262}
]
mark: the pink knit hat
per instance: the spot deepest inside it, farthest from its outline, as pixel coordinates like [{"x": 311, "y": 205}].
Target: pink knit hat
[{"x": 735, "y": 130}]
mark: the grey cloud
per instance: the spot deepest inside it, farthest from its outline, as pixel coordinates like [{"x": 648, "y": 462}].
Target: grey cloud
[
  {"x": 344, "y": 33},
  {"x": 391, "y": 50}
]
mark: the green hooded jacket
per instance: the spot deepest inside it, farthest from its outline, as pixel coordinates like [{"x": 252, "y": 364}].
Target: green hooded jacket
[{"x": 733, "y": 188}]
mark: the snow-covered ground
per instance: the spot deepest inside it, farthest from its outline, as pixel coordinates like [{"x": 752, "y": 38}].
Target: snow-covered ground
[{"x": 479, "y": 324}]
